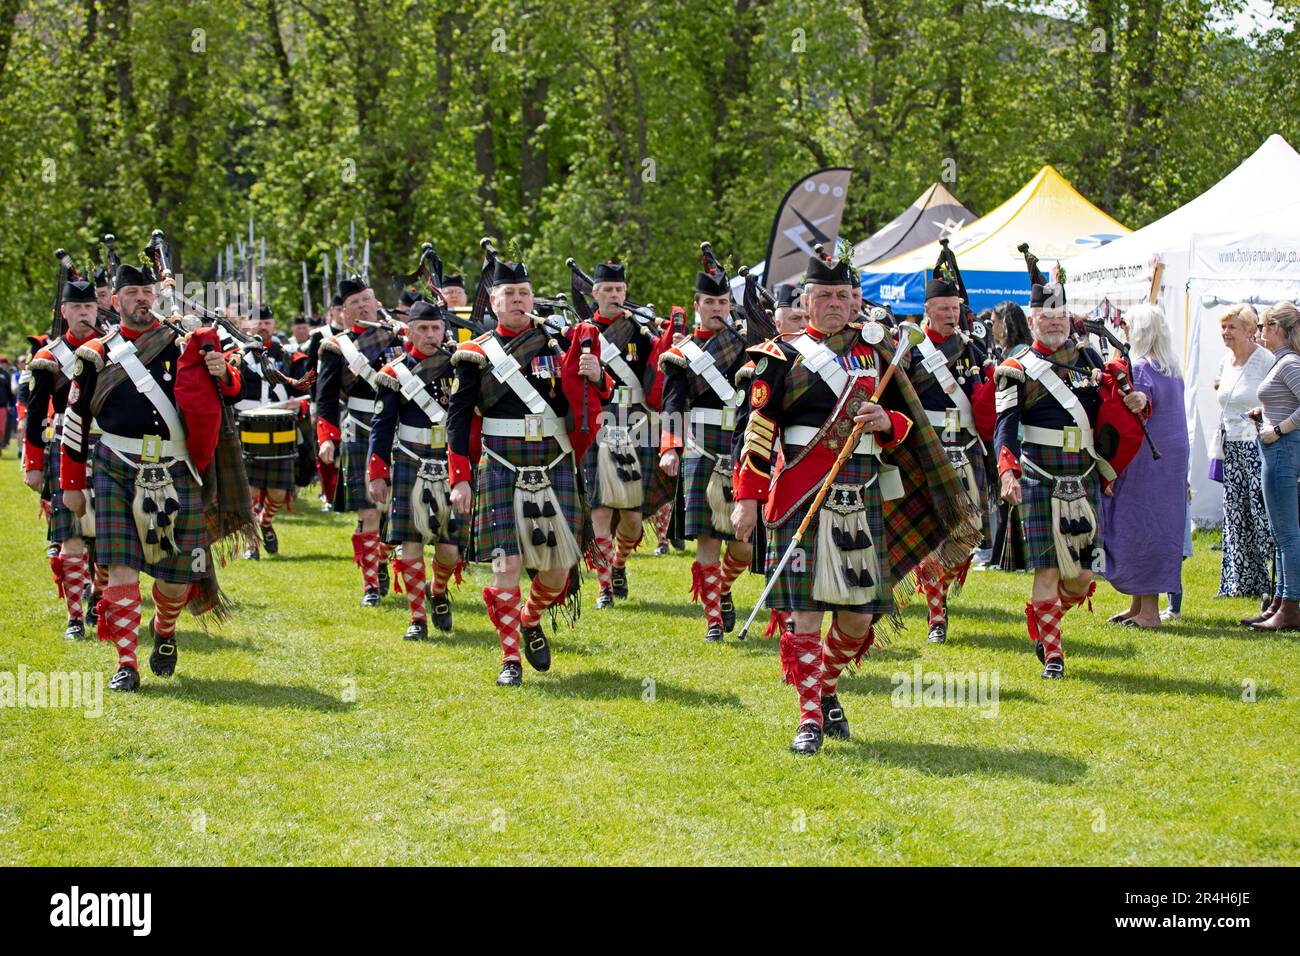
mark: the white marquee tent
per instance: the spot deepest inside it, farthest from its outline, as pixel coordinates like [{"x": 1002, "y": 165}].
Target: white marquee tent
[{"x": 1239, "y": 241}]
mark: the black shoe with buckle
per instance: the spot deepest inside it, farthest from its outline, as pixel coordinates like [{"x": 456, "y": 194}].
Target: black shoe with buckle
[
  {"x": 371, "y": 598},
  {"x": 618, "y": 581},
  {"x": 808, "y": 740},
  {"x": 1039, "y": 652},
  {"x": 728, "y": 612},
  {"x": 418, "y": 631},
  {"x": 835, "y": 723},
  {"x": 714, "y": 634},
  {"x": 92, "y": 609},
  {"x": 75, "y": 630},
  {"x": 1054, "y": 669},
  {"x": 604, "y": 599},
  {"x": 127, "y": 678},
  {"x": 163, "y": 659},
  {"x": 512, "y": 675},
  {"x": 252, "y": 554},
  {"x": 661, "y": 549},
  {"x": 383, "y": 578},
  {"x": 938, "y": 633},
  {"x": 440, "y": 610},
  {"x": 271, "y": 539},
  {"x": 537, "y": 649}
]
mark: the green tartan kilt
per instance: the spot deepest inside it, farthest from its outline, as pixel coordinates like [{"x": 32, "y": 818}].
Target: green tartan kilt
[
  {"x": 794, "y": 588},
  {"x": 494, "y": 503},
  {"x": 118, "y": 542},
  {"x": 401, "y": 526},
  {"x": 269, "y": 472},
  {"x": 695, "y": 480},
  {"x": 656, "y": 487},
  {"x": 352, "y": 494},
  {"x": 63, "y": 524},
  {"x": 1036, "y": 500}
]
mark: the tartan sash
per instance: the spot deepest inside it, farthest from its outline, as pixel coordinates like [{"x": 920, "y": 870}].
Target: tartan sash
[
  {"x": 800, "y": 379},
  {"x": 523, "y": 348},
  {"x": 727, "y": 348},
  {"x": 147, "y": 348}
]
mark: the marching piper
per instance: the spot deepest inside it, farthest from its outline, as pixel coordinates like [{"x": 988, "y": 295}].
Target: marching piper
[
  {"x": 149, "y": 512},
  {"x": 620, "y": 468},
  {"x": 891, "y": 497},
  {"x": 349, "y": 364},
  {"x": 1051, "y": 393},
  {"x": 408, "y": 467},
  {"x": 952, "y": 377},
  {"x": 700, "y": 406},
  {"x": 52, "y": 370},
  {"x": 523, "y": 379}
]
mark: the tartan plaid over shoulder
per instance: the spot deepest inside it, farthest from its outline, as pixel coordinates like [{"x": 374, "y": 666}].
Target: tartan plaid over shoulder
[{"x": 934, "y": 517}]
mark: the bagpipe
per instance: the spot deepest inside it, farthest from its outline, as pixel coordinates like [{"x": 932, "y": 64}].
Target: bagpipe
[
  {"x": 481, "y": 317},
  {"x": 946, "y": 266},
  {"x": 1119, "y": 432},
  {"x": 580, "y": 286},
  {"x": 427, "y": 281},
  {"x": 68, "y": 271}
]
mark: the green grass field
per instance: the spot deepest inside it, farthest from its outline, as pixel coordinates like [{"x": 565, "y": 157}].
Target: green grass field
[{"x": 308, "y": 732}]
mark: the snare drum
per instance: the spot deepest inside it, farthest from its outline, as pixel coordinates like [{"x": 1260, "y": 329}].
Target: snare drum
[{"x": 269, "y": 433}]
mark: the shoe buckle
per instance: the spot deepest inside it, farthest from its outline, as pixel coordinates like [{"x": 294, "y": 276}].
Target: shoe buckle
[
  {"x": 165, "y": 648},
  {"x": 537, "y": 643},
  {"x": 835, "y": 713}
]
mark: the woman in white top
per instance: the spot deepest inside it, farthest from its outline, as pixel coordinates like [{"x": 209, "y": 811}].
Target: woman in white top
[{"x": 1247, "y": 541}]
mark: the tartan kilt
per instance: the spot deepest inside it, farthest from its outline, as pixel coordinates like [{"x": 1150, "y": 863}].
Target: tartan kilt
[
  {"x": 695, "y": 480},
  {"x": 794, "y": 588},
  {"x": 652, "y": 484},
  {"x": 977, "y": 460},
  {"x": 1036, "y": 500},
  {"x": 63, "y": 524},
  {"x": 401, "y": 526},
  {"x": 118, "y": 542},
  {"x": 494, "y": 502},
  {"x": 351, "y": 494},
  {"x": 269, "y": 472}
]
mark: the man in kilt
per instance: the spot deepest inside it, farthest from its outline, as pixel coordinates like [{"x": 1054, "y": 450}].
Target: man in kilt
[
  {"x": 895, "y": 500},
  {"x": 954, "y": 380},
  {"x": 522, "y": 380},
  {"x": 269, "y": 462},
  {"x": 1049, "y": 392},
  {"x": 620, "y": 469},
  {"x": 51, "y": 371},
  {"x": 149, "y": 509},
  {"x": 408, "y": 464},
  {"x": 349, "y": 364},
  {"x": 700, "y": 405}
]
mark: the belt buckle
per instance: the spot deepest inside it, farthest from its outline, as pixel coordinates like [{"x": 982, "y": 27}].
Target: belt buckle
[
  {"x": 728, "y": 418},
  {"x": 1072, "y": 438},
  {"x": 623, "y": 396},
  {"x": 438, "y": 436},
  {"x": 952, "y": 421},
  {"x": 151, "y": 448},
  {"x": 533, "y": 428}
]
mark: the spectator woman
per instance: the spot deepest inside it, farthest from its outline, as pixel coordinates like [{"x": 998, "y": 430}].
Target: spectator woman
[
  {"x": 1247, "y": 542},
  {"x": 1279, "y": 416},
  {"x": 1141, "y": 521}
]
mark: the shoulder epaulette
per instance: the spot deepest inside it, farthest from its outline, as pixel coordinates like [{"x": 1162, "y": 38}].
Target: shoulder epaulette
[
  {"x": 92, "y": 352},
  {"x": 1010, "y": 369},
  {"x": 770, "y": 349},
  {"x": 745, "y": 372},
  {"x": 673, "y": 356},
  {"x": 471, "y": 352},
  {"x": 387, "y": 378}
]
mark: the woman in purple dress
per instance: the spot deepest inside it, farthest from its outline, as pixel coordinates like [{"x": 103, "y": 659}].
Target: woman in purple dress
[{"x": 1142, "y": 521}]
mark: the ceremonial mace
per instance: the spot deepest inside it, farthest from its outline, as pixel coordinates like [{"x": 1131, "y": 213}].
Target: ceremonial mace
[{"x": 909, "y": 336}]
